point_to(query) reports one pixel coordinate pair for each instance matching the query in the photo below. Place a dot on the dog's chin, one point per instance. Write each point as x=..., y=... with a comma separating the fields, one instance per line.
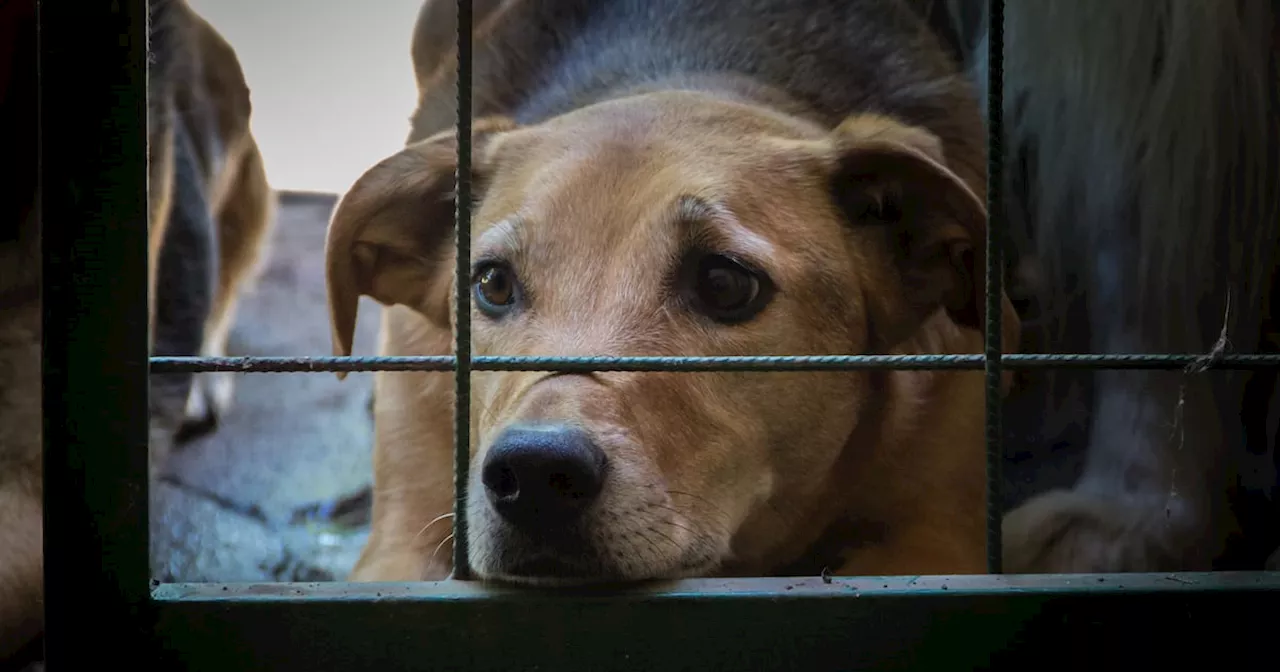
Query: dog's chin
x=531, y=580
x=550, y=571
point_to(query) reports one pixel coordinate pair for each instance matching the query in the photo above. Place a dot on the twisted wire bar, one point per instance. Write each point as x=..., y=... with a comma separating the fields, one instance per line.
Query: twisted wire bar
x=462, y=320
x=764, y=364
x=995, y=276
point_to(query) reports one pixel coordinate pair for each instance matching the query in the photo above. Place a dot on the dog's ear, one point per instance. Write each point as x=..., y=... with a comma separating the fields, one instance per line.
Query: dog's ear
x=391, y=235
x=893, y=176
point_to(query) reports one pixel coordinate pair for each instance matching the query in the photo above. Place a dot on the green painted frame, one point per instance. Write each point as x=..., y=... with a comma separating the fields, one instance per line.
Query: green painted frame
x=93, y=163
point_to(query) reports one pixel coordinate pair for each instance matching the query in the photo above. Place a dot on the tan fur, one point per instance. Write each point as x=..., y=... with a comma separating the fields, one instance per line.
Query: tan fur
x=159, y=196
x=205, y=82
x=712, y=473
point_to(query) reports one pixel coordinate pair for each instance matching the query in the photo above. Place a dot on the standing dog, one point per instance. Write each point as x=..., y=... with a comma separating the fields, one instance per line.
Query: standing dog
x=1144, y=192
x=210, y=208
x=211, y=204
x=682, y=177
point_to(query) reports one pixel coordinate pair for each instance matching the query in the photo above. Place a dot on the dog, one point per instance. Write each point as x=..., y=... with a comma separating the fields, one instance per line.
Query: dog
x=210, y=211
x=210, y=200
x=1144, y=196
x=674, y=178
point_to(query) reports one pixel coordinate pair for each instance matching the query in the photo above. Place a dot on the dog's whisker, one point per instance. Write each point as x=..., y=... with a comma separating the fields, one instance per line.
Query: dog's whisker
x=435, y=520
x=710, y=508
x=672, y=522
x=693, y=534
x=655, y=554
x=664, y=535
x=700, y=498
x=439, y=546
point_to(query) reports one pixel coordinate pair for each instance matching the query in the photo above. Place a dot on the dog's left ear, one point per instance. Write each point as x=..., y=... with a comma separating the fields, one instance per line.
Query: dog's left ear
x=892, y=176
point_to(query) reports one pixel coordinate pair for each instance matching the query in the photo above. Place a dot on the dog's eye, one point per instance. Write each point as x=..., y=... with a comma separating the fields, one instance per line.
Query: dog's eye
x=726, y=290
x=494, y=287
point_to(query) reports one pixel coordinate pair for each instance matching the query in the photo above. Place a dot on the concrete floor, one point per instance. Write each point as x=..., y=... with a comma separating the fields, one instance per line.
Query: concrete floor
x=280, y=491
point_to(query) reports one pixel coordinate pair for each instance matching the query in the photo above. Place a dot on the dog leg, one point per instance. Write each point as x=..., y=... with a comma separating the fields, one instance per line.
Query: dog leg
x=243, y=227
x=1152, y=496
x=1151, y=492
x=186, y=275
x=400, y=550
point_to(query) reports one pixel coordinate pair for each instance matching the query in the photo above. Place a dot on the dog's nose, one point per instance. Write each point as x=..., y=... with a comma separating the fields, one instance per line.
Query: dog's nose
x=543, y=474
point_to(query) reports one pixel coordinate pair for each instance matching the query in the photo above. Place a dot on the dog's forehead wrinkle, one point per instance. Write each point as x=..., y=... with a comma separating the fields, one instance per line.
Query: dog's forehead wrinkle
x=623, y=230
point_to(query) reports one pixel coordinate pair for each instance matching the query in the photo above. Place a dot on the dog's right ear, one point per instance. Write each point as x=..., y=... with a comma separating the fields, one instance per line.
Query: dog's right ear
x=391, y=235
x=894, y=176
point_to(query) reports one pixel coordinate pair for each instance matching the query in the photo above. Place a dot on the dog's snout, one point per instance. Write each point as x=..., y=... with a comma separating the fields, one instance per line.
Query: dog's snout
x=543, y=474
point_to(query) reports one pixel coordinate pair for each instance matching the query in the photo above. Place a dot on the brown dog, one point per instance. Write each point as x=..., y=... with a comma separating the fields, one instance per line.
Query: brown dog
x=210, y=210
x=668, y=178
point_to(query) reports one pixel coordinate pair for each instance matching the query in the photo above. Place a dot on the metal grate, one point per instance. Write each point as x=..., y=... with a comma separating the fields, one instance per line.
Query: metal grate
x=96, y=486
x=993, y=361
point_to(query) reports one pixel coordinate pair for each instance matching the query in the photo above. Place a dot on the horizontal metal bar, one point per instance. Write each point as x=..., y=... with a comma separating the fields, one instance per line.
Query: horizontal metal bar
x=731, y=588
x=676, y=364
x=956, y=622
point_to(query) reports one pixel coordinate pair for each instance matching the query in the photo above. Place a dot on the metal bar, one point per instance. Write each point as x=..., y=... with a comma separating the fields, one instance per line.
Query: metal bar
x=92, y=71
x=995, y=277
x=734, y=588
x=462, y=370
x=692, y=364
x=926, y=623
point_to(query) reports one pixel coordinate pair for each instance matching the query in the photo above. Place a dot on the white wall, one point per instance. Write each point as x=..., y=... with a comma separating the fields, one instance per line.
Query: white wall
x=331, y=80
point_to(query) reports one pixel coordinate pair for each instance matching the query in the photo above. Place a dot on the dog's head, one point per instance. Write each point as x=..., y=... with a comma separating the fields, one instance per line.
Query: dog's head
x=663, y=224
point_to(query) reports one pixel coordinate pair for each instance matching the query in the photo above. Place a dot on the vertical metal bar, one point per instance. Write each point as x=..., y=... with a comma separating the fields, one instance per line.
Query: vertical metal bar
x=462, y=229
x=995, y=269
x=92, y=71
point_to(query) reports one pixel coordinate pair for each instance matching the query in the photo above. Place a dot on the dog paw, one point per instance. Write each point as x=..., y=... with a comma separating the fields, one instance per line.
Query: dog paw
x=1068, y=532
x=209, y=400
